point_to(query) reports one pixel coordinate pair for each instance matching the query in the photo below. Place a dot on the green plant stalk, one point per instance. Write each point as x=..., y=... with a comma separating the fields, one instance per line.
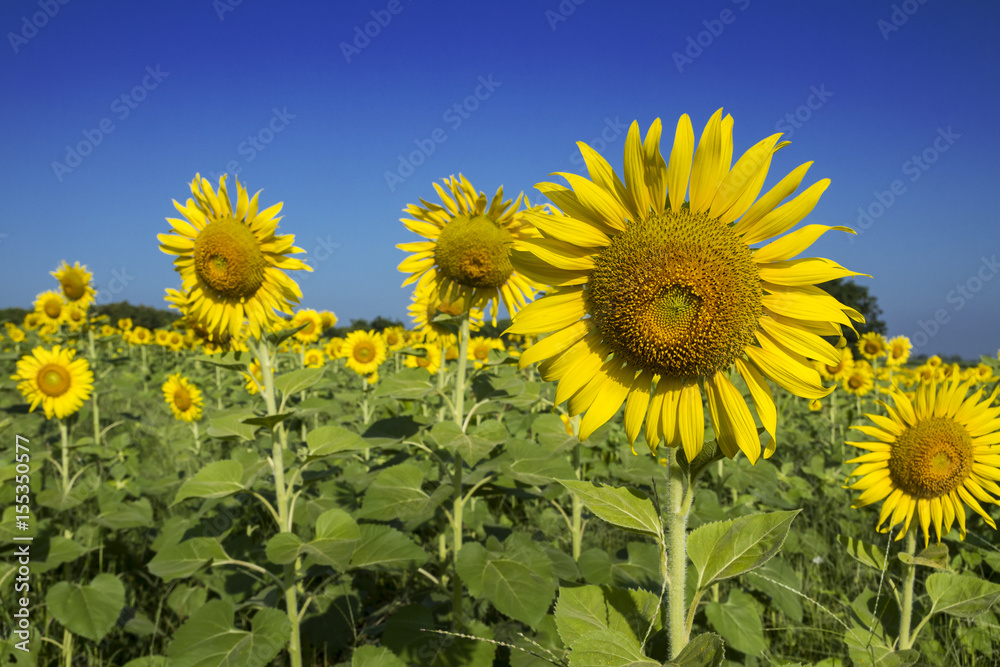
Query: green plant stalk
x=64, y=436
x=263, y=352
x=906, y=612
x=197, y=440
x=67, y=648
x=577, y=527
x=678, y=506
x=97, y=418
x=218, y=388
x=458, y=503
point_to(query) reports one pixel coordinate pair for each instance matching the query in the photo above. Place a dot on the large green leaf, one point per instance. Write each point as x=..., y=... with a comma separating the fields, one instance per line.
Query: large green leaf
x=528, y=463
x=375, y=656
x=607, y=648
x=864, y=553
x=726, y=549
x=705, y=650
x=209, y=639
x=87, y=610
x=337, y=535
x=229, y=424
x=117, y=516
x=184, y=559
x=738, y=622
x=216, y=480
x=960, y=595
x=396, y=493
x=332, y=439
x=385, y=547
x=626, y=508
x=580, y=610
x=409, y=383
x=298, y=380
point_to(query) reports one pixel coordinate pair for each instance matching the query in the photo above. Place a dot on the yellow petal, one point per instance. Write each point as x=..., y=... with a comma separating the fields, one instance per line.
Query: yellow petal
x=691, y=420
x=707, y=161
x=635, y=176
x=656, y=168
x=793, y=243
x=679, y=167
x=771, y=199
x=786, y=216
x=635, y=406
x=741, y=178
x=552, y=312
x=610, y=397
x=734, y=426
x=555, y=343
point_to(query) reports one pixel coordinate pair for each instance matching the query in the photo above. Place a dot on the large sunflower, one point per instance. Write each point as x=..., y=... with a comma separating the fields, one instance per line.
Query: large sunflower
x=930, y=457
x=55, y=379
x=656, y=299
x=466, y=257
x=75, y=283
x=232, y=264
x=183, y=397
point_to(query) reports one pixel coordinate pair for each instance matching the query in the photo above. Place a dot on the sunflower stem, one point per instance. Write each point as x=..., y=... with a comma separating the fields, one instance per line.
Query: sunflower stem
x=678, y=506
x=218, y=388
x=64, y=436
x=67, y=648
x=264, y=357
x=458, y=503
x=197, y=440
x=97, y=418
x=910, y=570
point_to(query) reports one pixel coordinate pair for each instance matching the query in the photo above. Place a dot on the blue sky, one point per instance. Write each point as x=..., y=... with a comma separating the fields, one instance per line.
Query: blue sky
x=895, y=102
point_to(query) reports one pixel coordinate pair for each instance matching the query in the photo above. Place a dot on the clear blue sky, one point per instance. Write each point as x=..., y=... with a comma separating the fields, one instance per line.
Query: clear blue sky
x=200, y=78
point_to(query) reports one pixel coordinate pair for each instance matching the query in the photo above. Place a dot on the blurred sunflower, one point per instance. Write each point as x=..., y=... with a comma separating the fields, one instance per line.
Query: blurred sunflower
x=55, y=379
x=333, y=347
x=466, y=257
x=395, y=338
x=837, y=371
x=161, y=337
x=363, y=351
x=934, y=361
x=932, y=457
x=872, y=346
x=51, y=308
x=32, y=321
x=175, y=341
x=255, y=378
x=313, y=325
x=431, y=359
x=231, y=262
x=183, y=397
x=313, y=358
x=656, y=297
x=327, y=319
x=76, y=317
x=479, y=349
x=125, y=323
x=426, y=304
x=859, y=380
x=75, y=283
x=899, y=351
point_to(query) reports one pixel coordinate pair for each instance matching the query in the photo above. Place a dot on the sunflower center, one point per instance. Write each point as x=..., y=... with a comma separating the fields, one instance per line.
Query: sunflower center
x=481, y=353
x=53, y=308
x=871, y=347
x=932, y=458
x=677, y=294
x=855, y=382
x=228, y=258
x=53, y=380
x=73, y=286
x=364, y=352
x=474, y=252
x=182, y=399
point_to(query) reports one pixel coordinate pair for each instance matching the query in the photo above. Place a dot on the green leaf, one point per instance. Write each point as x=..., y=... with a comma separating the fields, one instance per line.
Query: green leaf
x=738, y=622
x=229, y=424
x=216, y=480
x=117, y=516
x=268, y=421
x=779, y=580
x=407, y=634
x=61, y=550
x=607, y=648
x=526, y=462
x=864, y=553
x=409, y=383
x=724, y=549
x=375, y=656
x=184, y=559
x=626, y=508
x=276, y=338
x=237, y=361
x=332, y=439
x=580, y=610
x=209, y=639
x=87, y=610
x=395, y=493
x=631, y=611
x=935, y=556
x=337, y=536
x=960, y=595
x=296, y=381
x=705, y=650
x=385, y=547
x=283, y=548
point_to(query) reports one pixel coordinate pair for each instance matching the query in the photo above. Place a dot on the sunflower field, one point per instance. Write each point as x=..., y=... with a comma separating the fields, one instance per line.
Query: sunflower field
x=672, y=456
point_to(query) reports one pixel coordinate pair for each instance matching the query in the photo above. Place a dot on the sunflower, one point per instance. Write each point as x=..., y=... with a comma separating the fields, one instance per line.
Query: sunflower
x=395, y=338
x=333, y=347
x=431, y=359
x=183, y=397
x=140, y=336
x=479, y=349
x=313, y=358
x=55, y=379
x=872, y=346
x=175, y=341
x=125, y=323
x=934, y=361
x=859, y=380
x=983, y=373
x=51, y=308
x=76, y=317
x=32, y=321
x=466, y=257
x=815, y=405
x=656, y=298
x=16, y=335
x=255, y=378
x=75, y=283
x=363, y=351
x=932, y=456
x=899, y=351
x=837, y=371
x=231, y=262
x=328, y=319
x=313, y=322
x=161, y=337
x=426, y=305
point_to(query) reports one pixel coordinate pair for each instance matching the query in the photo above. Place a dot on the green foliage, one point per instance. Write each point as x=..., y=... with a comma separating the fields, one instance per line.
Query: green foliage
x=858, y=297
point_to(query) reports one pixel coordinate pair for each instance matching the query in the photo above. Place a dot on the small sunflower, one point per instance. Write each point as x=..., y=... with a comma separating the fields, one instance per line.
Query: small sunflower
x=328, y=319
x=431, y=359
x=314, y=358
x=51, y=308
x=426, y=304
x=16, y=335
x=934, y=361
x=479, y=349
x=859, y=380
x=140, y=336
x=183, y=397
x=658, y=296
x=466, y=257
x=395, y=338
x=255, y=378
x=333, y=347
x=75, y=283
x=55, y=379
x=76, y=317
x=840, y=370
x=161, y=337
x=175, y=341
x=815, y=405
x=363, y=351
x=872, y=346
x=899, y=351
x=32, y=321
x=232, y=264
x=125, y=323
x=931, y=457
x=313, y=322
